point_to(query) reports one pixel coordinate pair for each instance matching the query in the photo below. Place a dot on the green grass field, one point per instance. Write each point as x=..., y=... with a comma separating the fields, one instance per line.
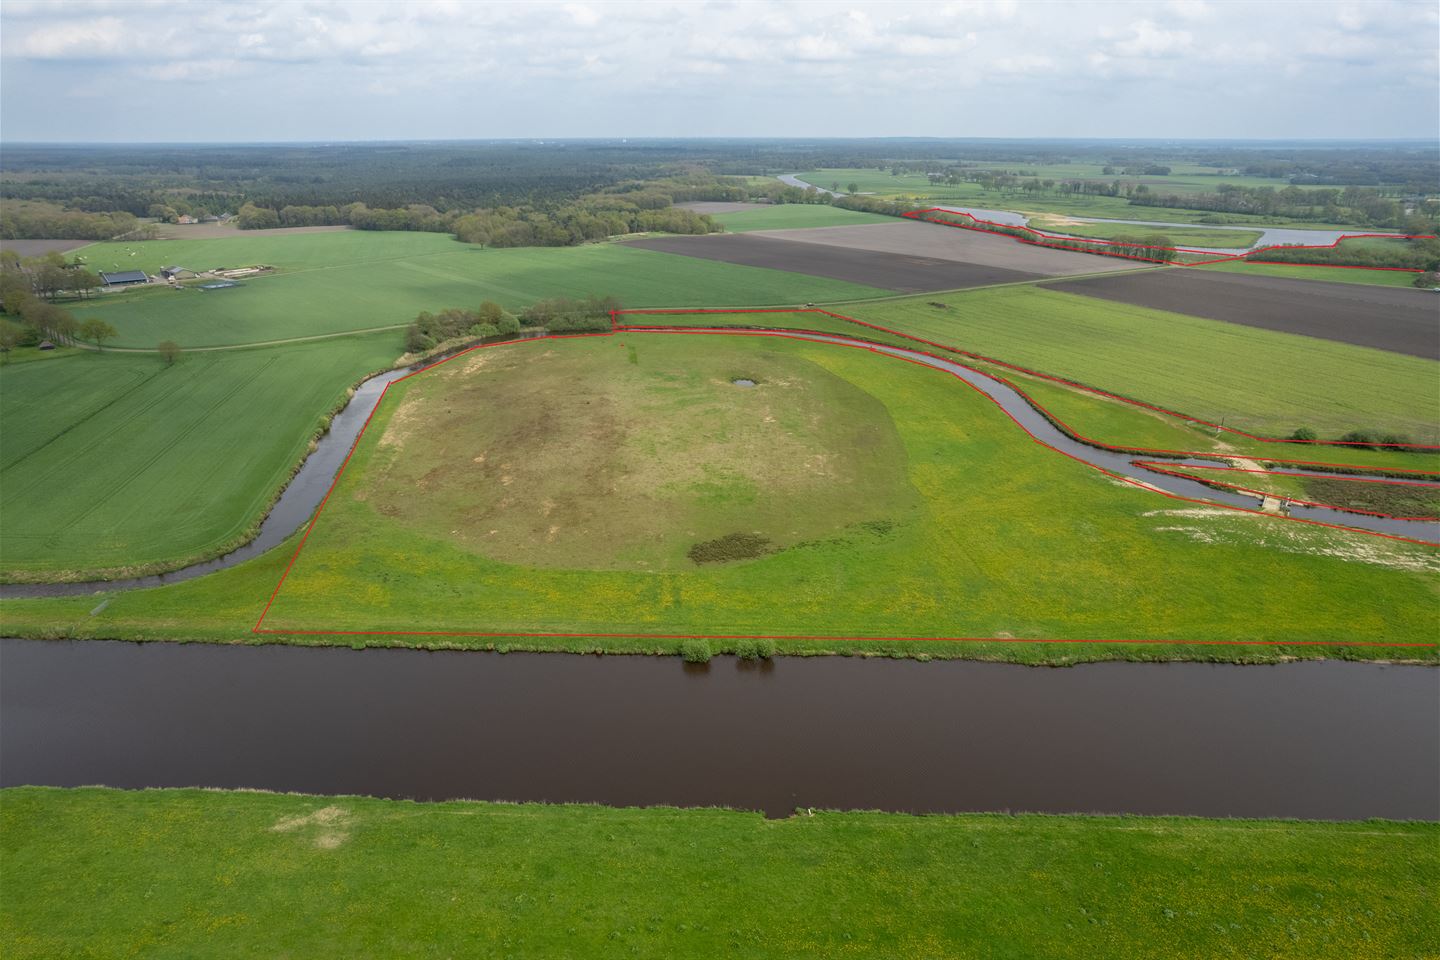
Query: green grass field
x=1381, y=278
x=985, y=534
x=795, y=216
x=1179, y=236
x=1261, y=381
x=117, y=462
x=186, y=873
x=354, y=280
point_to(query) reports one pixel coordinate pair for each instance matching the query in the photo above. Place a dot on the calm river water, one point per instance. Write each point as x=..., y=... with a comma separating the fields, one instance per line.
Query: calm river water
x=1310, y=740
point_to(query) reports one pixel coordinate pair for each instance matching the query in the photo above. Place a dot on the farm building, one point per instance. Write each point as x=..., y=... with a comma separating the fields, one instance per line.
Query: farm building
x=124, y=278
x=173, y=273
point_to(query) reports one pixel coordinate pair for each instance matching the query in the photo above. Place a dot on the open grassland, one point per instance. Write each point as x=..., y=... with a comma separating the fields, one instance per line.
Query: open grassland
x=985, y=535
x=1178, y=236
x=1381, y=278
x=1261, y=381
x=792, y=216
x=332, y=283
x=113, y=873
x=1083, y=414
x=117, y=462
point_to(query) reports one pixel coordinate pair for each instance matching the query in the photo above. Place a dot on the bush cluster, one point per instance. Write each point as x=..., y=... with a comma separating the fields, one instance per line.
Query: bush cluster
x=491, y=321
x=731, y=547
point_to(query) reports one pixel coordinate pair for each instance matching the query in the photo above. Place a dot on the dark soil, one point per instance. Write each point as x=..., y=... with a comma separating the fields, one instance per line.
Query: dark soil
x=1385, y=318
x=889, y=271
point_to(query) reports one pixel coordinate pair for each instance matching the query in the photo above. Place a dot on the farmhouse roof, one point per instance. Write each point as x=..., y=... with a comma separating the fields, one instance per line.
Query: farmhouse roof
x=125, y=276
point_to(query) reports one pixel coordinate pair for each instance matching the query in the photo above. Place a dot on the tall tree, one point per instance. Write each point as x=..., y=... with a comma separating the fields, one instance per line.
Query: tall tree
x=169, y=351
x=97, y=332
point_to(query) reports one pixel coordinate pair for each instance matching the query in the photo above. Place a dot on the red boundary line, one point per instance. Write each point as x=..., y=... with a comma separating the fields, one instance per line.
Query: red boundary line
x=259, y=627
x=1180, y=470
x=1059, y=241
x=1054, y=379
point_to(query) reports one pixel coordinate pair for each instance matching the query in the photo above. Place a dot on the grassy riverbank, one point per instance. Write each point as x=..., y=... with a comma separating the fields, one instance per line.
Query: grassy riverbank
x=179, y=873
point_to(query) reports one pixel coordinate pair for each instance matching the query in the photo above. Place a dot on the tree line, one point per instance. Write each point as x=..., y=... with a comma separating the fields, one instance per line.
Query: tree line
x=28, y=289
x=38, y=220
x=432, y=331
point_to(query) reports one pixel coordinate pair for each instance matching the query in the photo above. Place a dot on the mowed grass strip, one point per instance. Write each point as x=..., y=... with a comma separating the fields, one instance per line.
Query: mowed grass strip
x=1379, y=278
x=389, y=280
x=177, y=873
x=987, y=535
x=117, y=462
x=1178, y=236
x=1260, y=381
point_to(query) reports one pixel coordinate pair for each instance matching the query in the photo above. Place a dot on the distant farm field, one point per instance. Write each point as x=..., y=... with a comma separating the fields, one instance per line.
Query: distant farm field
x=845, y=495
x=117, y=462
x=791, y=216
x=1379, y=278
x=1178, y=236
x=1261, y=381
x=357, y=280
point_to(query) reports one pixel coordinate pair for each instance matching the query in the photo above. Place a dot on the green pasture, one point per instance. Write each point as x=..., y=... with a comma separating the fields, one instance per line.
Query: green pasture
x=1381, y=278
x=1179, y=236
x=390, y=277
x=985, y=534
x=795, y=216
x=117, y=462
x=96, y=872
x=1261, y=381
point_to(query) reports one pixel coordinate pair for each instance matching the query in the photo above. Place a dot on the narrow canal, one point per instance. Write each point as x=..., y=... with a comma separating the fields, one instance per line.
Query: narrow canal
x=1328, y=739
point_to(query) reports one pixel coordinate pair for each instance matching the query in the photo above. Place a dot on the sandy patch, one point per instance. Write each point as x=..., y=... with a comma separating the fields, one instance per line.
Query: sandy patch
x=327, y=826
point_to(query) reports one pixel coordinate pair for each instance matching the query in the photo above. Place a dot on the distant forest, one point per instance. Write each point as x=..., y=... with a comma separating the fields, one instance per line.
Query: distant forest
x=527, y=193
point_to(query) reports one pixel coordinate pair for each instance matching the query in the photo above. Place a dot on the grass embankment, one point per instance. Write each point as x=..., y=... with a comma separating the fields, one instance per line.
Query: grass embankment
x=357, y=280
x=1260, y=381
x=179, y=873
x=1378, y=278
x=118, y=462
x=1178, y=236
x=984, y=534
x=795, y=216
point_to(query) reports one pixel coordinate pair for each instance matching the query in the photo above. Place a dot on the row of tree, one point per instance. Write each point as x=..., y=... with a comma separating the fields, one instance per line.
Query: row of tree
x=491, y=321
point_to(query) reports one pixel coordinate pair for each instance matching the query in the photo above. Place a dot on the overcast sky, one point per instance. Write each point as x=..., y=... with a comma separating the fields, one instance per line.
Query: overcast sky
x=448, y=69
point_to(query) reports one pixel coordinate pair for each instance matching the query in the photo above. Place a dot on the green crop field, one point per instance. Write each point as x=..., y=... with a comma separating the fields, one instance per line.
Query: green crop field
x=794, y=216
x=663, y=455
x=1178, y=236
x=1381, y=278
x=1261, y=381
x=94, y=872
x=116, y=462
x=334, y=282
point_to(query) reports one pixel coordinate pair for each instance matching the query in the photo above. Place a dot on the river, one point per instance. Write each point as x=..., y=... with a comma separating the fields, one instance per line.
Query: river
x=1326, y=739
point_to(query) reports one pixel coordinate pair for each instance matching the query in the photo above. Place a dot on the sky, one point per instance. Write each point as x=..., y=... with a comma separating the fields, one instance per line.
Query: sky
x=262, y=70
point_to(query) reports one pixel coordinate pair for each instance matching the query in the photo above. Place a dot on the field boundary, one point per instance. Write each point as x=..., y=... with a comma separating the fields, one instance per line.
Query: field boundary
x=1057, y=241
x=616, y=329
x=1076, y=384
x=1175, y=470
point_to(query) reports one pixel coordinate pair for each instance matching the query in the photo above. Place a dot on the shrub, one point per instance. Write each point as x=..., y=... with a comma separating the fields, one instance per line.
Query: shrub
x=1394, y=441
x=732, y=546
x=1363, y=438
x=484, y=330
x=1304, y=433
x=508, y=325
x=695, y=651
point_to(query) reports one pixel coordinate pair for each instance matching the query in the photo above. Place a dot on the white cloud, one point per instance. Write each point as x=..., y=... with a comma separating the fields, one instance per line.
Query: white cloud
x=610, y=66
